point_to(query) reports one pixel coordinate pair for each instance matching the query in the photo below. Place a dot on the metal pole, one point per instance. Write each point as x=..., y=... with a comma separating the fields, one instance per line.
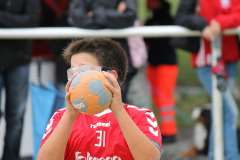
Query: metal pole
x=217, y=110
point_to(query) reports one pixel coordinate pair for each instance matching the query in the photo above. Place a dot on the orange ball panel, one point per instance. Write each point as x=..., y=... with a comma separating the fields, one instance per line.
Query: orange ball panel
x=72, y=95
x=80, y=91
x=95, y=109
x=101, y=77
x=86, y=78
x=91, y=99
x=95, y=74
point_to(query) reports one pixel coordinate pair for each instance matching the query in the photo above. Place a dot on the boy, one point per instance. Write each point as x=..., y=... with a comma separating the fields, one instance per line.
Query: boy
x=128, y=132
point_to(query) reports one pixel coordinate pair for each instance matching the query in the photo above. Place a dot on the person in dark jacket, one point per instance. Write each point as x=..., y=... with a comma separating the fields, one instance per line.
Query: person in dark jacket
x=15, y=56
x=102, y=14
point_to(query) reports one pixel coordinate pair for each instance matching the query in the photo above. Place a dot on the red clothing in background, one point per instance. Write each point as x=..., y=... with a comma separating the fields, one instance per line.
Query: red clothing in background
x=227, y=14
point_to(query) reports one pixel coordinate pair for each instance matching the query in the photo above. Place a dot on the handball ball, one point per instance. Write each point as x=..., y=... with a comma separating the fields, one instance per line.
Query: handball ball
x=89, y=94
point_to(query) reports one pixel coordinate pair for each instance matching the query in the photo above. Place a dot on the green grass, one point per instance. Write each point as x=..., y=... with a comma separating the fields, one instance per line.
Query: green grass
x=187, y=74
x=143, y=12
x=174, y=5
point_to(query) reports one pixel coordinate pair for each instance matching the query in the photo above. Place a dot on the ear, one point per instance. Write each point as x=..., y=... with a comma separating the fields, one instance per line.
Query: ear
x=113, y=72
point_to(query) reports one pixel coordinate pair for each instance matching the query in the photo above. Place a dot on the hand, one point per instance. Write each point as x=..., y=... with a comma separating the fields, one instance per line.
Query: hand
x=122, y=6
x=211, y=31
x=116, y=104
x=70, y=109
x=90, y=14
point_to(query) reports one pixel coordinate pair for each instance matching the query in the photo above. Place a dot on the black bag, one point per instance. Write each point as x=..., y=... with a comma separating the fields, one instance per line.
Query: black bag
x=190, y=44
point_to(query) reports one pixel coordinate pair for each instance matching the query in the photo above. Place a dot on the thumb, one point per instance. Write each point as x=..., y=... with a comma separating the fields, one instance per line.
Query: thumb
x=67, y=98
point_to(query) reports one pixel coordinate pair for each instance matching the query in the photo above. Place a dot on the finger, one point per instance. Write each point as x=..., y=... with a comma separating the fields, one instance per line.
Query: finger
x=211, y=36
x=207, y=34
x=216, y=25
x=214, y=31
x=111, y=88
x=67, y=98
x=112, y=79
x=69, y=83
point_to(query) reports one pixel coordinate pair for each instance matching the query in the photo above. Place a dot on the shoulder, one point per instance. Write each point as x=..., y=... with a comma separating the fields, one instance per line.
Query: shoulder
x=133, y=108
x=146, y=122
x=137, y=112
x=58, y=114
x=129, y=106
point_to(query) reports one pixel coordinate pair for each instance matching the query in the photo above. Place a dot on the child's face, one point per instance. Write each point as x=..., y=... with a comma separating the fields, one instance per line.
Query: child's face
x=78, y=60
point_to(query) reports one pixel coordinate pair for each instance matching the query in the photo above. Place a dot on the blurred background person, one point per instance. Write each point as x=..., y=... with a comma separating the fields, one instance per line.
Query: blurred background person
x=212, y=17
x=58, y=45
x=54, y=13
x=113, y=14
x=46, y=65
x=51, y=12
x=15, y=56
x=162, y=70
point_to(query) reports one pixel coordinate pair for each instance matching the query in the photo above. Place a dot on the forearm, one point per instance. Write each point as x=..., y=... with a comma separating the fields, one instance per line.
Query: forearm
x=140, y=146
x=78, y=15
x=54, y=147
x=81, y=20
x=110, y=18
x=121, y=17
x=18, y=21
x=186, y=17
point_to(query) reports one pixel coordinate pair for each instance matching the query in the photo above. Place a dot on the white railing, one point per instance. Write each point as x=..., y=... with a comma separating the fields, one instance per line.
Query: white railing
x=72, y=32
x=145, y=31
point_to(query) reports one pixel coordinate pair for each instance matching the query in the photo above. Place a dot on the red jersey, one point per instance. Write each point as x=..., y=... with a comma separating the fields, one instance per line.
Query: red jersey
x=99, y=136
x=226, y=13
